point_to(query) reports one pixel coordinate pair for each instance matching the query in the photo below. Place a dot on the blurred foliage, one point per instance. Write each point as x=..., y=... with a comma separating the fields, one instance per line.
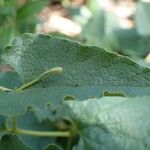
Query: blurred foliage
x=99, y=26
x=142, y=18
x=17, y=17
x=103, y=29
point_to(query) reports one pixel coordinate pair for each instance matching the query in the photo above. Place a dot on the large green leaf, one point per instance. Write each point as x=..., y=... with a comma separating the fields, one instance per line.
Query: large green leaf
x=85, y=67
x=88, y=71
x=12, y=142
x=111, y=123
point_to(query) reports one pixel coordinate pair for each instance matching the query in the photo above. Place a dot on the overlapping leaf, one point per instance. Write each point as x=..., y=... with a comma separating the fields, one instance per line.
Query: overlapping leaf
x=111, y=123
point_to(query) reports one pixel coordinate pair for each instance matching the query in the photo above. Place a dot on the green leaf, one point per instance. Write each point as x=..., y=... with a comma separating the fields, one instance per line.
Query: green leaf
x=12, y=142
x=111, y=123
x=10, y=2
x=27, y=25
x=26, y=15
x=30, y=9
x=6, y=33
x=88, y=70
x=7, y=11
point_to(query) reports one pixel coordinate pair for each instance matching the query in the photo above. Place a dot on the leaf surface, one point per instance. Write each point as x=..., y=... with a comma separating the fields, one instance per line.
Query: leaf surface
x=111, y=123
x=85, y=67
x=13, y=103
x=88, y=71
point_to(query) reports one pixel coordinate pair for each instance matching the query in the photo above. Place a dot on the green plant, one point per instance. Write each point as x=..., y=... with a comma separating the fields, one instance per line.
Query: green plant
x=93, y=99
x=17, y=17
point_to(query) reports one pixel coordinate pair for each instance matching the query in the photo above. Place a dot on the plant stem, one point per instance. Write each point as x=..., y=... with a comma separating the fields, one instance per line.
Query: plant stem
x=16, y=130
x=55, y=71
x=4, y=89
x=40, y=133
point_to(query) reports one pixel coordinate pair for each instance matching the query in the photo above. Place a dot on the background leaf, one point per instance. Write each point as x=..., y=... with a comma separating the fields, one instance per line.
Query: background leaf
x=30, y=9
x=143, y=11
